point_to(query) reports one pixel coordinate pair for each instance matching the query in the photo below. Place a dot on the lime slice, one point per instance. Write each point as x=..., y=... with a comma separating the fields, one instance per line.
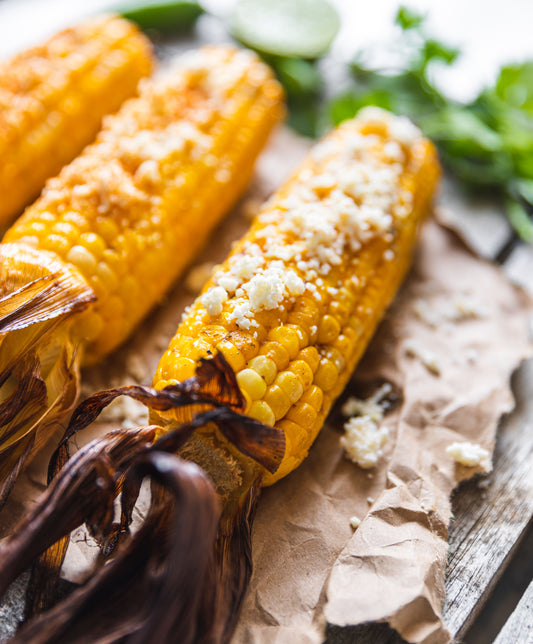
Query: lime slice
x=293, y=28
x=164, y=15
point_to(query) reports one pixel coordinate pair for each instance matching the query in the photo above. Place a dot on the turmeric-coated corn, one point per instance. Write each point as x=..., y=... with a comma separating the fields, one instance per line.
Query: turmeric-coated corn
x=53, y=98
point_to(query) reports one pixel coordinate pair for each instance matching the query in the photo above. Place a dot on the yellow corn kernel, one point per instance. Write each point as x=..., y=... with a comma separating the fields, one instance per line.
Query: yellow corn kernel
x=82, y=259
x=328, y=330
x=314, y=397
x=277, y=353
x=251, y=382
x=326, y=375
x=302, y=414
x=51, y=108
x=310, y=355
x=261, y=411
x=233, y=356
x=288, y=337
x=277, y=400
x=265, y=367
x=302, y=371
x=291, y=385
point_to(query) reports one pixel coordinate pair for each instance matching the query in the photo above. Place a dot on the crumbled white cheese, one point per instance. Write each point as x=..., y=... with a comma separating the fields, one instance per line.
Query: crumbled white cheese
x=355, y=522
x=363, y=441
x=333, y=208
x=370, y=407
x=370, y=499
x=468, y=454
x=213, y=299
x=414, y=349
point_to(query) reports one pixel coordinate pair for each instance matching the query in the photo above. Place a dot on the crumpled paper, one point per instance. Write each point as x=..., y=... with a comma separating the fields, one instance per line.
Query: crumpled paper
x=309, y=565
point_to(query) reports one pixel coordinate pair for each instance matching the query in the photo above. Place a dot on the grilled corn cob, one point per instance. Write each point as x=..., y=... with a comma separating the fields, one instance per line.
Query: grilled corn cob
x=276, y=334
x=120, y=223
x=53, y=98
x=295, y=304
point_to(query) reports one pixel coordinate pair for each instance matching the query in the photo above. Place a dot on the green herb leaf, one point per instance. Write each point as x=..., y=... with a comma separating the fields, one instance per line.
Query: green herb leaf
x=296, y=29
x=408, y=19
x=163, y=15
x=299, y=77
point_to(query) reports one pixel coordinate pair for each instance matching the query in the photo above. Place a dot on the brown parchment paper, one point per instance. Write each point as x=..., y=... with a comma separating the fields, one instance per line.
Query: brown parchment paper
x=309, y=564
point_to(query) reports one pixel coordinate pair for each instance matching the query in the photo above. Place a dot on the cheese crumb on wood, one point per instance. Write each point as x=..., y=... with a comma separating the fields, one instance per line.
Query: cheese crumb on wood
x=468, y=454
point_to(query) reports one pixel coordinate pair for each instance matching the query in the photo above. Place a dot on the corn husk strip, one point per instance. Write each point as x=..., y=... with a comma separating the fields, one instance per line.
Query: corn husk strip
x=147, y=569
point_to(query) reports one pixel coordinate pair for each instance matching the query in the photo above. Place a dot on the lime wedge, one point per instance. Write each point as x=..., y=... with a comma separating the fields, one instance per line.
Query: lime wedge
x=293, y=28
x=164, y=15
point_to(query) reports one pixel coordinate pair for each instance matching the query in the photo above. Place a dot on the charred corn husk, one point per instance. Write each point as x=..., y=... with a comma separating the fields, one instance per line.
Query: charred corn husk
x=53, y=98
x=120, y=223
x=295, y=304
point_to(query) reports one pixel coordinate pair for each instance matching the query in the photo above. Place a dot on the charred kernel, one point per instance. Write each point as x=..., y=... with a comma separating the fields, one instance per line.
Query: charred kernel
x=277, y=400
x=326, y=375
x=328, y=330
x=264, y=367
x=262, y=412
x=291, y=385
x=251, y=382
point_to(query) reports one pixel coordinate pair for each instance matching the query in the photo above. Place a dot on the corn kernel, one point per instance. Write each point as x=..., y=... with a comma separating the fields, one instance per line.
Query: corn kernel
x=336, y=357
x=107, y=229
x=251, y=382
x=277, y=400
x=302, y=414
x=262, y=412
x=276, y=352
x=310, y=355
x=233, y=356
x=82, y=259
x=326, y=375
x=183, y=368
x=291, y=385
x=265, y=367
x=93, y=243
x=56, y=243
x=303, y=371
x=89, y=326
x=287, y=336
x=107, y=277
x=314, y=397
x=328, y=330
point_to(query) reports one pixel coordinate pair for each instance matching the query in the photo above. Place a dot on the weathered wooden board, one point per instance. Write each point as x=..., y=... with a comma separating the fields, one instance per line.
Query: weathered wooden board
x=519, y=626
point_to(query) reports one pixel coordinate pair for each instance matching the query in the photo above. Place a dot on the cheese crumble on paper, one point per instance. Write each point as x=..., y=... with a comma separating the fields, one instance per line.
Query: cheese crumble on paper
x=468, y=454
x=364, y=438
